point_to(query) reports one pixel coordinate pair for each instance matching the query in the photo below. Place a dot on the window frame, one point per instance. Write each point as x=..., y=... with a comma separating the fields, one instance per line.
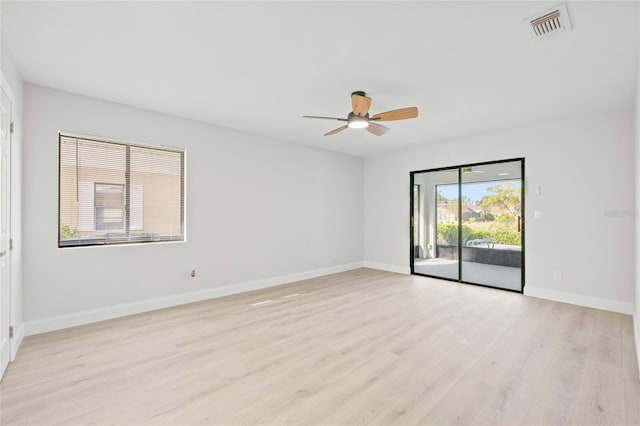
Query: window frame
x=101, y=242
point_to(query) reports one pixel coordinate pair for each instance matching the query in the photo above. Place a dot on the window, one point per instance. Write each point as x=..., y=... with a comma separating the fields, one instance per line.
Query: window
x=117, y=193
x=109, y=202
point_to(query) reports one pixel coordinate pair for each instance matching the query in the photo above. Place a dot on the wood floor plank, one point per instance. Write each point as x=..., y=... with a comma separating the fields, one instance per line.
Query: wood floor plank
x=629, y=356
x=631, y=401
x=463, y=403
x=359, y=347
x=413, y=392
x=516, y=387
x=558, y=390
x=601, y=398
x=607, y=339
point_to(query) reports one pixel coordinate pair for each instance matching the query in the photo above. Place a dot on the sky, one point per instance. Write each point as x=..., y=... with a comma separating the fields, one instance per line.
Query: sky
x=475, y=191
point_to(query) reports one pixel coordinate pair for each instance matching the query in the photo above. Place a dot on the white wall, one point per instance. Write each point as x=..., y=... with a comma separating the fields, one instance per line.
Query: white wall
x=10, y=72
x=256, y=209
x=585, y=168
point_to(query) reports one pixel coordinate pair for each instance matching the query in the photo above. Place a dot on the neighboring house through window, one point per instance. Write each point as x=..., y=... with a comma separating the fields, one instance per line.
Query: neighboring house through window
x=109, y=203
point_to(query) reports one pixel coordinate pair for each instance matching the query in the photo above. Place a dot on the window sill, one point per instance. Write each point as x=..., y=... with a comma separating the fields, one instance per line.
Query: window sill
x=119, y=244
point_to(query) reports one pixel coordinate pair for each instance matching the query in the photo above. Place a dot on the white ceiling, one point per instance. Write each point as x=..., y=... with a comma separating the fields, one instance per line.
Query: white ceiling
x=470, y=67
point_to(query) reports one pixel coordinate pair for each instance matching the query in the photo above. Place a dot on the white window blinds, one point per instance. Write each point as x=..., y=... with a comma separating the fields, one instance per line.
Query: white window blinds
x=115, y=193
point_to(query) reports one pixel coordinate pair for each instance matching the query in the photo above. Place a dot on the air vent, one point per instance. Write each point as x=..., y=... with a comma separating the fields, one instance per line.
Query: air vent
x=549, y=23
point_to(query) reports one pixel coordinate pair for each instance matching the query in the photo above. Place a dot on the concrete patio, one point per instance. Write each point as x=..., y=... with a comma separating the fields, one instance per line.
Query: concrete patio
x=477, y=273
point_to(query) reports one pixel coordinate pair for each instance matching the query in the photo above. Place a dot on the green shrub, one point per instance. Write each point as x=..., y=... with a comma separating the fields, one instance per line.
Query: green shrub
x=67, y=232
x=504, y=236
x=448, y=234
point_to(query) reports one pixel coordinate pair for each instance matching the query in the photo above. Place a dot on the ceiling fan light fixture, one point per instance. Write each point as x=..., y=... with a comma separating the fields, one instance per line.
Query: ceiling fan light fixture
x=358, y=122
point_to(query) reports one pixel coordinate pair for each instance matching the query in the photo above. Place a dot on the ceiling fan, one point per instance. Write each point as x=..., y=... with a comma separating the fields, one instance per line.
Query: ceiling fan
x=359, y=118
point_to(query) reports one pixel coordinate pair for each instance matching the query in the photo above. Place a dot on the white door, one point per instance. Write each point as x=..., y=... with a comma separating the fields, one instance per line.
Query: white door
x=5, y=135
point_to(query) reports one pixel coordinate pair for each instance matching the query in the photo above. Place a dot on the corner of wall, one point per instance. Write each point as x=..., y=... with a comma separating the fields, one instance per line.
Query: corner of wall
x=636, y=315
x=389, y=268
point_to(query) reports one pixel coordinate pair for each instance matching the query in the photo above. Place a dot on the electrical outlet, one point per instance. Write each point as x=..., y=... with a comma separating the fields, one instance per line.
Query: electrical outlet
x=557, y=275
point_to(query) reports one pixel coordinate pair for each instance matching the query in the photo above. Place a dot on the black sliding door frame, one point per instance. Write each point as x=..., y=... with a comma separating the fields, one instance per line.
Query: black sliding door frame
x=459, y=169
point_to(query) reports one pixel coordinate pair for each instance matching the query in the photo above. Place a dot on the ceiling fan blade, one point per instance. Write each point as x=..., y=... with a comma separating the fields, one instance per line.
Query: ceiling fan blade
x=334, y=131
x=377, y=129
x=360, y=104
x=397, y=114
x=325, y=118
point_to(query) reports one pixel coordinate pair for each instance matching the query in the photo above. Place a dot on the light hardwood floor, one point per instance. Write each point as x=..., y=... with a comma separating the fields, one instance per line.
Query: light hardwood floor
x=361, y=347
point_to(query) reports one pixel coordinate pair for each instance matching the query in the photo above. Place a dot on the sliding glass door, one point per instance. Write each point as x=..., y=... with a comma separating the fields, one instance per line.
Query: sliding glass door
x=467, y=224
x=435, y=242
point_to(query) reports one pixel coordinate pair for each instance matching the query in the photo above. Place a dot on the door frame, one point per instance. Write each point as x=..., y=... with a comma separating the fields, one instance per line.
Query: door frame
x=522, y=223
x=13, y=340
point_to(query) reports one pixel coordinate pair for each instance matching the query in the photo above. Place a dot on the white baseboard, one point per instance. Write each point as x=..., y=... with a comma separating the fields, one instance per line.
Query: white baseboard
x=578, y=299
x=17, y=341
x=389, y=268
x=94, y=315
